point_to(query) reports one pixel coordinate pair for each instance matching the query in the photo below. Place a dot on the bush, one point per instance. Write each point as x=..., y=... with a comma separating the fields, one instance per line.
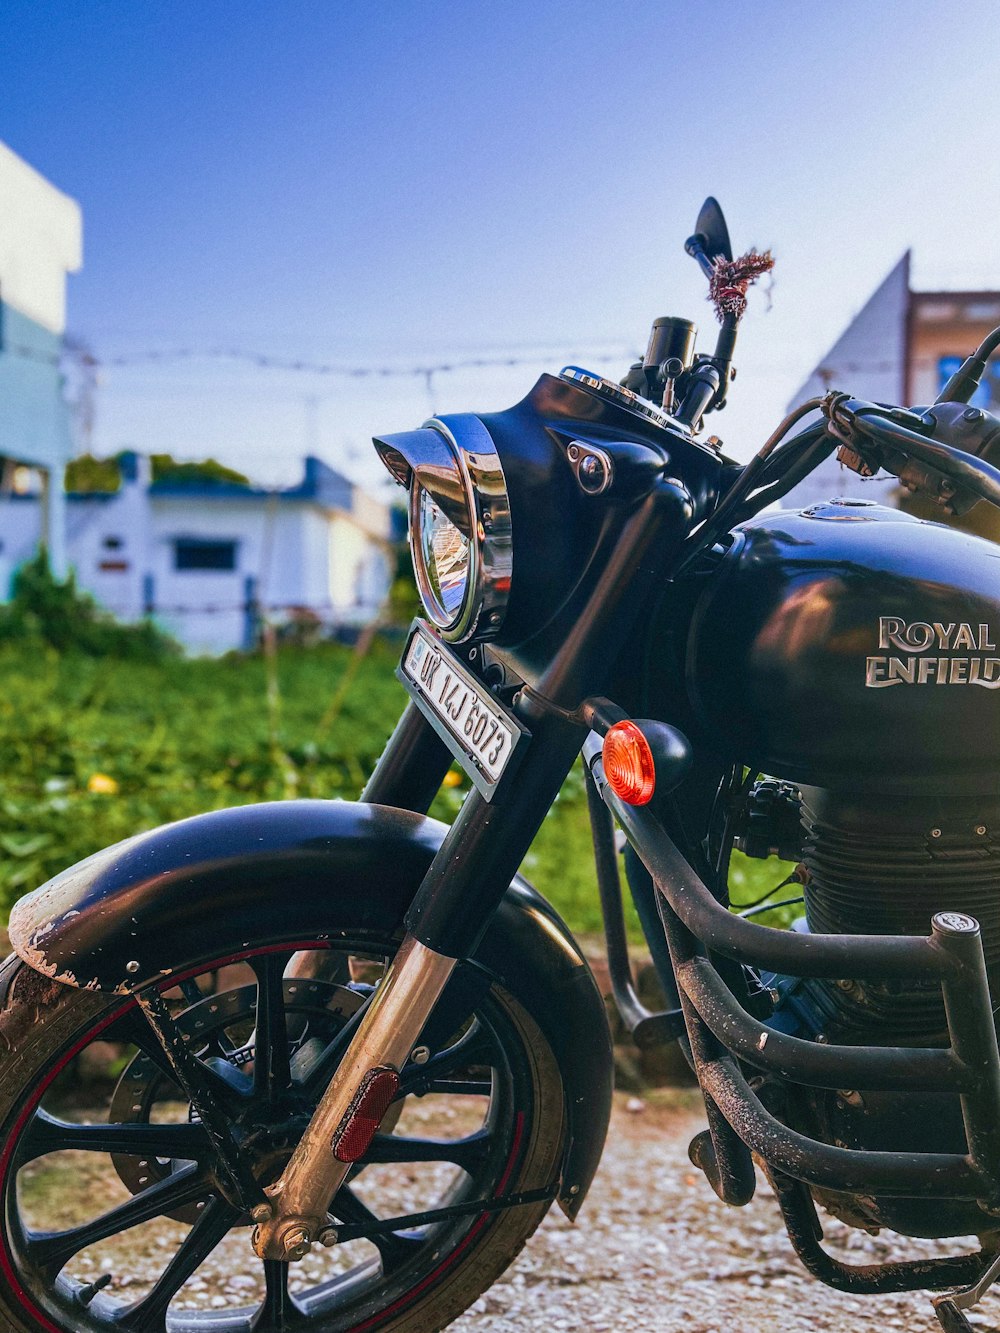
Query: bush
x=44, y=610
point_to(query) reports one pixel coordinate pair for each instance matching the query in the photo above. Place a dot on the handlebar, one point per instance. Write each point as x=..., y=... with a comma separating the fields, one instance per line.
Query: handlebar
x=857, y=422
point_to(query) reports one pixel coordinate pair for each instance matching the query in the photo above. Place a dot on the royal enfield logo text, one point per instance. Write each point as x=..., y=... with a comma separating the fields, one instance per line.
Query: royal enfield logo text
x=920, y=662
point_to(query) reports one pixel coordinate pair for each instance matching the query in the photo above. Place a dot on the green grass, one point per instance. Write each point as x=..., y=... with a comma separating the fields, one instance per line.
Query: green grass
x=94, y=750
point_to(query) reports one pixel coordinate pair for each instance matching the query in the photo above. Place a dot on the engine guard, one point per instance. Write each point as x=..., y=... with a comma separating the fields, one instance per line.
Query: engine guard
x=281, y=872
x=747, y=1069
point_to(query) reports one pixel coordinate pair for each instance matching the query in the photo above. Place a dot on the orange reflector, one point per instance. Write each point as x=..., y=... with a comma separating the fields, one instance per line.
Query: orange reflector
x=628, y=764
x=365, y=1114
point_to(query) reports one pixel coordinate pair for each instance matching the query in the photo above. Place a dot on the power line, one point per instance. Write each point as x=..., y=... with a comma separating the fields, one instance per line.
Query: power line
x=426, y=372
x=264, y=360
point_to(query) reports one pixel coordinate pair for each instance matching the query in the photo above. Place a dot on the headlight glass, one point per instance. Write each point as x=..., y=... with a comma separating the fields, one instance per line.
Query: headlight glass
x=444, y=561
x=459, y=519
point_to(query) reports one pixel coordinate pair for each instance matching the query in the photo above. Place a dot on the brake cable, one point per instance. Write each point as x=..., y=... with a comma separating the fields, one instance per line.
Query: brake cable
x=726, y=514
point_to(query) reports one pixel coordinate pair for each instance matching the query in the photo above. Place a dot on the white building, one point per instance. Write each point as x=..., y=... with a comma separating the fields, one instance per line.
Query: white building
x=900, y=348
x=40, y=242
x=207, y=560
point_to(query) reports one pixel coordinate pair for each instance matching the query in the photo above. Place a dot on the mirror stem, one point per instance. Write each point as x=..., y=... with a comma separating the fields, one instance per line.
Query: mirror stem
x=725, y=347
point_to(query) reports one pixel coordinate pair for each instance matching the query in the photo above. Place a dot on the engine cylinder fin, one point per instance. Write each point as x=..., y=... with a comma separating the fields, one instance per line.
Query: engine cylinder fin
x=884, y=868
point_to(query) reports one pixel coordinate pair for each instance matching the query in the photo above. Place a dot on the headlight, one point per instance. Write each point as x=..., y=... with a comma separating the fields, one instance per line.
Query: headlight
x=442, y=558
x=459, y=512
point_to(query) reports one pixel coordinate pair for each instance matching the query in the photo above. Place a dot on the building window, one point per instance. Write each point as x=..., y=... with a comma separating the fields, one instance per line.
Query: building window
x=193, y=553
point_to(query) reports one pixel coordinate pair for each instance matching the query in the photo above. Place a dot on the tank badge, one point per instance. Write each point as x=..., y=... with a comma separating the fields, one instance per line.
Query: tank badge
x=922, y=645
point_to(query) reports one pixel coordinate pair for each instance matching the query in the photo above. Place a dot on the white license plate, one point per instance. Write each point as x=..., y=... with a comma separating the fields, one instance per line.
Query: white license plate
x=480, y=728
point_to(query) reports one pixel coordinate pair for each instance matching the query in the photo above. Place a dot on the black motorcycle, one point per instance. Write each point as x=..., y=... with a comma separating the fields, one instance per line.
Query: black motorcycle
x=357, y=1057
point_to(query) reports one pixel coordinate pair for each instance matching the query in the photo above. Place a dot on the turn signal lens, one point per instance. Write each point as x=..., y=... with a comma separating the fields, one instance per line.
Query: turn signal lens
x=628, y=764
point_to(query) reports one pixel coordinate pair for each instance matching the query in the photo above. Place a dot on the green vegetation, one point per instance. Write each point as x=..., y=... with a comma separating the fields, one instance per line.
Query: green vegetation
x=44, y=613
x=94, y=749
x=88, y=475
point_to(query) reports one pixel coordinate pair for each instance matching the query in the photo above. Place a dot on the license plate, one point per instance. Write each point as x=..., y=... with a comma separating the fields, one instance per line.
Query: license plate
x=478, y=730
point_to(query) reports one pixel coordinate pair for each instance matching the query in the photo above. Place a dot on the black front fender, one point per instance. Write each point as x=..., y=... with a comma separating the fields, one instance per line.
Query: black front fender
x=292, y=872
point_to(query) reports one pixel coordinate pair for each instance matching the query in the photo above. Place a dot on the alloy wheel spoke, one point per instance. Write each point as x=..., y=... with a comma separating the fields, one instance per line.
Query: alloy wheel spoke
x=468, y=1153
x=319, y=1076
x=271, y=1072
x=395, y=1248
x=185, y=1142
x=229, y=1088
x=51, y=1251
x=191, y=991
x=217, y=1046
x=279, y=1311
x=150, y=1314
x=472, y=1049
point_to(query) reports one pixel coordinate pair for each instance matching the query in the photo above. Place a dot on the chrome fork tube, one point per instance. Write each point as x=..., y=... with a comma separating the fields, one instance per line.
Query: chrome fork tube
x=295, y=1214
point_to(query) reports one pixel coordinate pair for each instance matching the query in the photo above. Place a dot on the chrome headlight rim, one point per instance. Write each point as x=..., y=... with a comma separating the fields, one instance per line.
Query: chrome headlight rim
x=477, y=463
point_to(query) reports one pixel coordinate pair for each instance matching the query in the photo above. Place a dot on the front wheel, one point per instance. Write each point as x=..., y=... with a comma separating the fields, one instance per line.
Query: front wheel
x=113, y=1218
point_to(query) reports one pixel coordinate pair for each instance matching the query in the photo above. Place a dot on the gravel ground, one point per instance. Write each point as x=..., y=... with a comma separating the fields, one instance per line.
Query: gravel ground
x=655, y=1250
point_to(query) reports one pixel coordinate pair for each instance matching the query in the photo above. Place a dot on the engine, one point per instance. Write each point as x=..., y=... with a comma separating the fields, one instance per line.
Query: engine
x=851, y=651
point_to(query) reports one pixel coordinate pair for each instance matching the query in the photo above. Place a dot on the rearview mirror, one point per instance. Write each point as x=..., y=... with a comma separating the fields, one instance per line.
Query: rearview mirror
x=711, y=232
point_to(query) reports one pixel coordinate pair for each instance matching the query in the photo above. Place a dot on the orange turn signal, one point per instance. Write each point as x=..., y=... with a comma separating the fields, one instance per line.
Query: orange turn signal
x=628, y=764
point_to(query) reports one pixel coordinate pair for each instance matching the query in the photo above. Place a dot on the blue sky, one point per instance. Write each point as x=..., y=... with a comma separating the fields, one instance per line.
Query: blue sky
x=395, y=184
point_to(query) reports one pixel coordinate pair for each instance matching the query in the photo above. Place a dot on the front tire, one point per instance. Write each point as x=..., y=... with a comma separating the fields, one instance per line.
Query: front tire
x=113, y=1220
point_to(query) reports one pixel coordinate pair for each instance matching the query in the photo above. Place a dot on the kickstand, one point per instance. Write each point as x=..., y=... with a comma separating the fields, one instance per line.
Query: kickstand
x=949, y=1306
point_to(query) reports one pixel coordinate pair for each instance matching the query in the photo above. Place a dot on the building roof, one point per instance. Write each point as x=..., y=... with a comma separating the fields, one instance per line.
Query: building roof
x=321, y=486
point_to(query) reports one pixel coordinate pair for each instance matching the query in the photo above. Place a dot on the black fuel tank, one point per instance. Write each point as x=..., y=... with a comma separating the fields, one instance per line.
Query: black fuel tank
x=853, y=645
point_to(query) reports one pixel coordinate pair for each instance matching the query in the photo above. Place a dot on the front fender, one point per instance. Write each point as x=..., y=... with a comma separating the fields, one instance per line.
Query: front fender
x=292, y=872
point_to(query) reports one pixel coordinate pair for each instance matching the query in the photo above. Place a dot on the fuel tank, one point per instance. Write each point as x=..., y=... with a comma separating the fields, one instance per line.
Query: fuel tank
x=851, y=645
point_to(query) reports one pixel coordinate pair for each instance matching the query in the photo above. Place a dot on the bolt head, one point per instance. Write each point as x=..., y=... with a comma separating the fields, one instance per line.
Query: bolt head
x=262, y=1213
x=972, y=414
x=296, y=1243
x=328, y=1237
x=420, y=1055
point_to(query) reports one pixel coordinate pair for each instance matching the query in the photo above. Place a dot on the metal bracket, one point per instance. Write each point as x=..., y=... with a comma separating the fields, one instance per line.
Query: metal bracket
x=950, y=1305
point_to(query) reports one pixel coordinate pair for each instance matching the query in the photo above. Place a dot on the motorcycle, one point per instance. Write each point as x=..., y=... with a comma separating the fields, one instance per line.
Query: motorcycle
x=357, y=1056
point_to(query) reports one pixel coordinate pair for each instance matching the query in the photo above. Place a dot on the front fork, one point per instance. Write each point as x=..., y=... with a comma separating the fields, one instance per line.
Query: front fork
x=353, y=1105
x=444, y=923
